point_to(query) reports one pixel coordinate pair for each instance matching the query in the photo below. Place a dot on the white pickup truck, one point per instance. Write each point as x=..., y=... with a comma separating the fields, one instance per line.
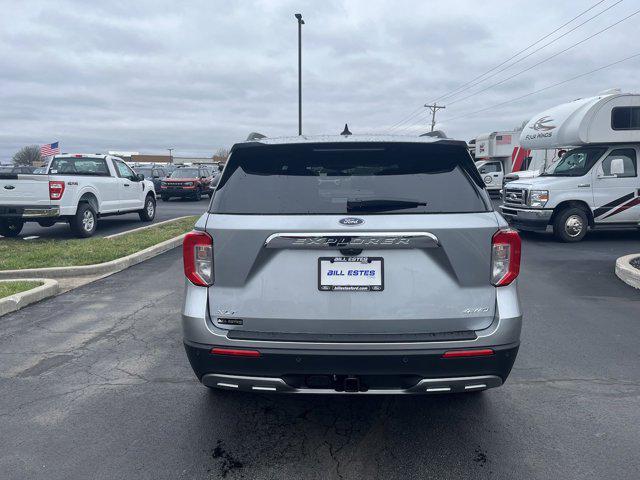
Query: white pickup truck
x=77, y=189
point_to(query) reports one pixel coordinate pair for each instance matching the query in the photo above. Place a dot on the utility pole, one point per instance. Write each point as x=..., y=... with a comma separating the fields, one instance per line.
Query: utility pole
x=434, y=108
x=170, y=156
x=300, y=23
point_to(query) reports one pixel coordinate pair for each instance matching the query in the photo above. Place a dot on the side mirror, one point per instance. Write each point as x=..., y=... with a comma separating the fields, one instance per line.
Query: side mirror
x=483, y=170
x=617, y=166
x=139, y=177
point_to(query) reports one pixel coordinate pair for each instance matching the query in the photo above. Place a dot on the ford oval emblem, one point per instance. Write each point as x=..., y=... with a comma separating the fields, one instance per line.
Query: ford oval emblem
x=9, y=187
x=351, y=221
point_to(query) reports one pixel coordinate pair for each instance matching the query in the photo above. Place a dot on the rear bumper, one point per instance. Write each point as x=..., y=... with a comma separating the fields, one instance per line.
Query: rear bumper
x=28, y=211
x=178, y=192
x=527, y=219
x=325, y=371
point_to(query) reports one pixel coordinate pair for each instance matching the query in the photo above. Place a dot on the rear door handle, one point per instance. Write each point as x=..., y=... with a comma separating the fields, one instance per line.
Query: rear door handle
x=126, y=184
x=584, y=185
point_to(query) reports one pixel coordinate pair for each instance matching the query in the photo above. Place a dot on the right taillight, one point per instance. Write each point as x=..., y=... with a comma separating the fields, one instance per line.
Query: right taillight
x=197, y=254
x=56, y=189
x=505, y=257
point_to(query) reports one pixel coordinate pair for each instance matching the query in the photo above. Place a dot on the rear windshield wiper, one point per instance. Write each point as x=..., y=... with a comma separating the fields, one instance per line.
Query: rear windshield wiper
x=381, y=205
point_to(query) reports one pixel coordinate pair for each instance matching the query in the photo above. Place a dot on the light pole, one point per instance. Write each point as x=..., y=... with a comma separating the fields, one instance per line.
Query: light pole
x=170, y=156
x=300, y=23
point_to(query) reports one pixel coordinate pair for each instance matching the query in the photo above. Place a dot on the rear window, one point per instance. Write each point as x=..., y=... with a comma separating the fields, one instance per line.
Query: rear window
x=349, y=179
x=79, y=166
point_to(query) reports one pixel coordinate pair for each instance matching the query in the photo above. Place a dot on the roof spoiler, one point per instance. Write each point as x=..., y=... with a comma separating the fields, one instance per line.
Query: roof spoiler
x=435, y=133
x=255, y=136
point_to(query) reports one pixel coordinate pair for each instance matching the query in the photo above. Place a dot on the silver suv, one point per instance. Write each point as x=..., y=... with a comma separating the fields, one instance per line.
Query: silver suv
x=351, y=265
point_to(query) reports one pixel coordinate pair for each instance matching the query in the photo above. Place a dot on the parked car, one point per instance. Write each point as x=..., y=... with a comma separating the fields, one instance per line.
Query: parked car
x=155, y=174
x=77, y=189
x=492, y=174
x=187, y=182
x=342, y=264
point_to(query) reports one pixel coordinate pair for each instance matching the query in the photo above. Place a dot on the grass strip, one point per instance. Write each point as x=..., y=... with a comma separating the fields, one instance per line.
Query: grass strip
x=11, y=288
x=17, y=254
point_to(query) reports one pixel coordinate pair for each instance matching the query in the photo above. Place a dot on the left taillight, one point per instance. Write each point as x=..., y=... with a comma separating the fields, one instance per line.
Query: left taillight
x=56, y=189
x=505, y=257
x=197, y=254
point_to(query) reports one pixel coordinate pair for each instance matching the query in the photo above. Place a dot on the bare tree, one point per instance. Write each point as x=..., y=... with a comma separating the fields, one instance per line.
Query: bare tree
x=28, y=155
x=221, y=155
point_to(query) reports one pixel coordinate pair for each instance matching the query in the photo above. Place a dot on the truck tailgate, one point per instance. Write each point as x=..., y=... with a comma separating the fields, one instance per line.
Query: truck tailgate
x=24, y=190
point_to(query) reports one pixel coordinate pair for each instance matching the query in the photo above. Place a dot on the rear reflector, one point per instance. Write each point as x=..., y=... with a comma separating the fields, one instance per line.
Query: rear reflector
x=468, y=353
x=235, y=352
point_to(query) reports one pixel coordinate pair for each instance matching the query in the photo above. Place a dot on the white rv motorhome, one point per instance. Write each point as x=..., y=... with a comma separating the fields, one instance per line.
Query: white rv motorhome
x=493, y=157
x=595, y=184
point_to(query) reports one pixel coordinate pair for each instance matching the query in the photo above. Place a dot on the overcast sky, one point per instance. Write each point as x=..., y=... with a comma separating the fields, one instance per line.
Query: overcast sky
x=199, y=75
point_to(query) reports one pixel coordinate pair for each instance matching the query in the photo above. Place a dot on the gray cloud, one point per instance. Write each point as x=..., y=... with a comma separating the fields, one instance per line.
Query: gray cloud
x=198, y=75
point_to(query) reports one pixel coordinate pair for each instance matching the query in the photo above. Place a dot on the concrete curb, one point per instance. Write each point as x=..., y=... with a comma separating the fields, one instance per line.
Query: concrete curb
x=17, y=301
x=97, y=270
x=151, y=225
x=626, y=272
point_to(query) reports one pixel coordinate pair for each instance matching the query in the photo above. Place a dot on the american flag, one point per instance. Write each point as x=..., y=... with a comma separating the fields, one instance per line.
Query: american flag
x=49, y=149
x=503, y=139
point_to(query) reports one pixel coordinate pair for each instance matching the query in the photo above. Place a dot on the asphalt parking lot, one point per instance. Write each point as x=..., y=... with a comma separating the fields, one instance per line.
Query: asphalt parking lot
x=176, y=207
x=95, y=384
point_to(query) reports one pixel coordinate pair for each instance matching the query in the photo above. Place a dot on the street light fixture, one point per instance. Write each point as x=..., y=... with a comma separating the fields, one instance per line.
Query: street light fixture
x=300, y=23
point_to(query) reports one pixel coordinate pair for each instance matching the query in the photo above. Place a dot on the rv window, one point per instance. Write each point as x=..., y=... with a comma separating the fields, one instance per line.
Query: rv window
x=621, y=163
x=625, y=118
x=577, y=162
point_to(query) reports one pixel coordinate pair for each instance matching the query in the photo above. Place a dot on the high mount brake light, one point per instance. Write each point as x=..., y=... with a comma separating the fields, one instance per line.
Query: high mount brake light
x=197, y=253
x=56, y=189
x=505, y=257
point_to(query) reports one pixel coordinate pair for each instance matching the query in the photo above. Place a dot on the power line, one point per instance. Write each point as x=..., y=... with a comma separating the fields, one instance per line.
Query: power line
x=546, y=59
x=537, y=49
x=467, y=114
x=418, y=114
x=412, y=114
x=521, y=51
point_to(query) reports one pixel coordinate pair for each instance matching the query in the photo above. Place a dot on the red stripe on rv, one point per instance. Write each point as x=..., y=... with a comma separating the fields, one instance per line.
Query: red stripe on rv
x=624, y=206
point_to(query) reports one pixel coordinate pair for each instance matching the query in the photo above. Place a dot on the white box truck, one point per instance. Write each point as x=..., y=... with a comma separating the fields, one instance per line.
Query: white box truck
x=596, y=183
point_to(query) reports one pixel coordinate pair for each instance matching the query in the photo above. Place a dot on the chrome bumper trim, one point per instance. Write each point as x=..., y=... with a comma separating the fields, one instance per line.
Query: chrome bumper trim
x=423, y=387
x=41, y=212
x=355, y=239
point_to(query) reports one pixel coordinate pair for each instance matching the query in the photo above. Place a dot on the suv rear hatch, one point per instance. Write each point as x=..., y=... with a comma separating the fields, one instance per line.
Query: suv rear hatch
x=291, y=223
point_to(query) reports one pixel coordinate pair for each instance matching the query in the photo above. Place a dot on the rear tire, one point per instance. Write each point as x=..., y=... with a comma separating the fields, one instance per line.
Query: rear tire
x=85, y=221
x=148, y=213
x=570, y=225
x=11, y=227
